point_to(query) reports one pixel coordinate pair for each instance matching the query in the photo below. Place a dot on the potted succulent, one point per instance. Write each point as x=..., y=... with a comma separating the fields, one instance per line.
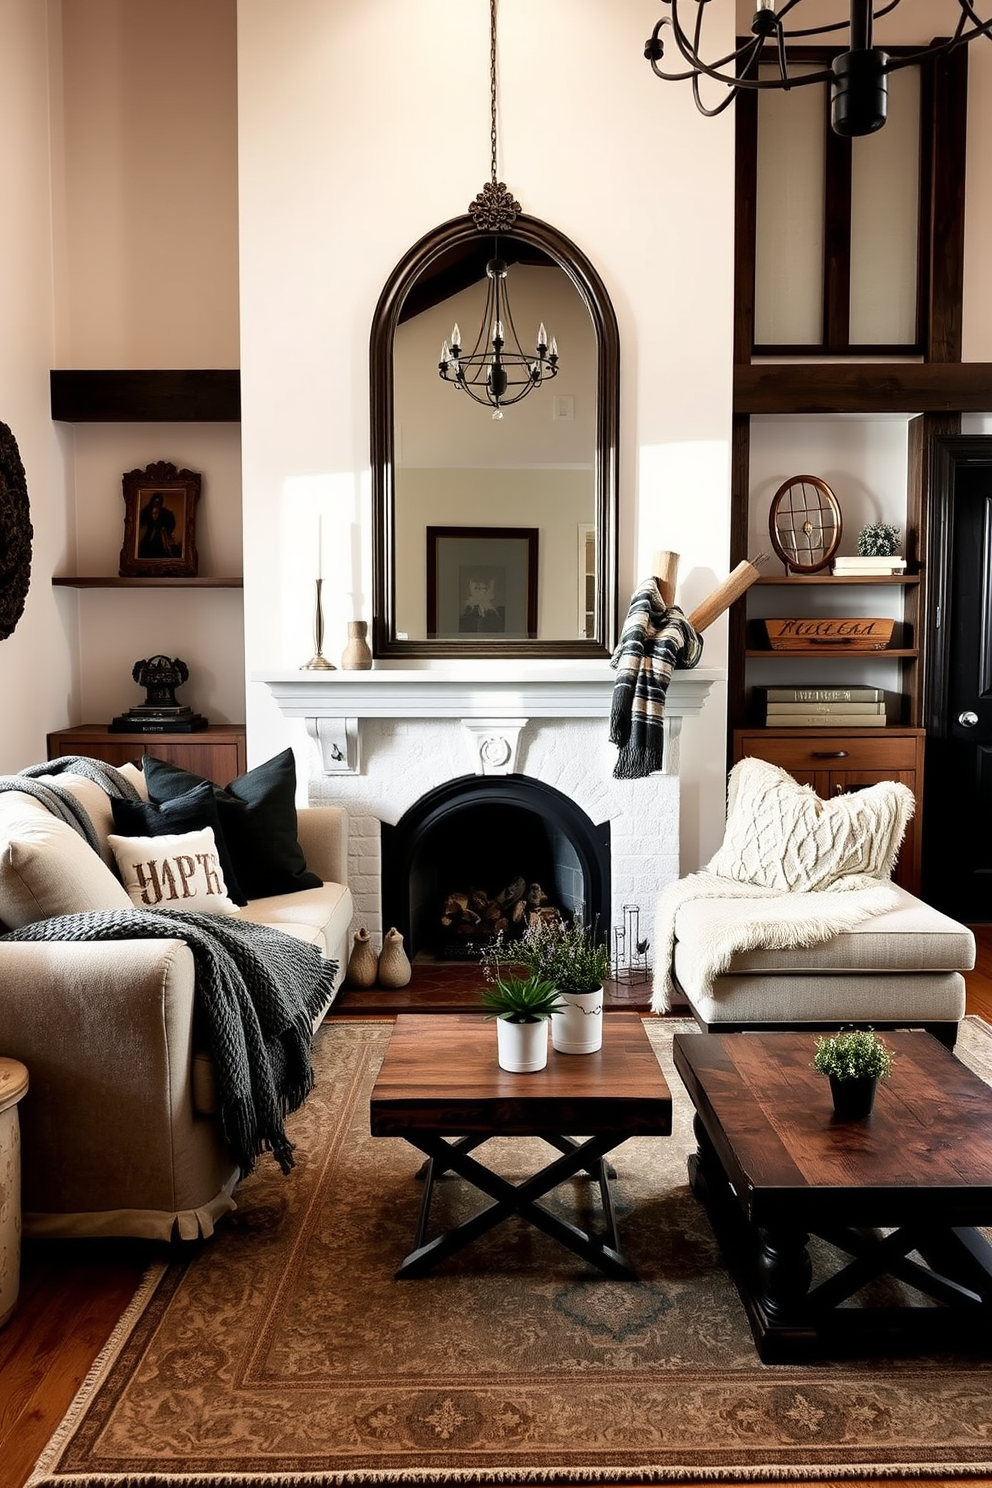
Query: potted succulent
x=568, y=954
x=522, y=1006
x=854, y=1060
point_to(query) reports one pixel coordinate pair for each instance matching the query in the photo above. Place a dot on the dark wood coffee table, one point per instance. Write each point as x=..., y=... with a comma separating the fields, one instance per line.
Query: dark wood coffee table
x=441, y=1089
x=897, y=1195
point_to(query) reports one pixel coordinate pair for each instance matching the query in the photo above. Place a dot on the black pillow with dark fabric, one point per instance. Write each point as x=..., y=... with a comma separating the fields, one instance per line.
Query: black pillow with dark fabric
x=258, y=818
x=186, y=813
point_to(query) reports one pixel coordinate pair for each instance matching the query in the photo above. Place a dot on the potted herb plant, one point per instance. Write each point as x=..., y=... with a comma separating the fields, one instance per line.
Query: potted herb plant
x=854, y=1060
x=568, y=954
x=522, y=1006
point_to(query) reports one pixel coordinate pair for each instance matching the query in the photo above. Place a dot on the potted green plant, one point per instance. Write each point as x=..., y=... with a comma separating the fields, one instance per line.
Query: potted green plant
x=878, y=540
x=568, y=954
x=854, y=1061
x=522, y=1006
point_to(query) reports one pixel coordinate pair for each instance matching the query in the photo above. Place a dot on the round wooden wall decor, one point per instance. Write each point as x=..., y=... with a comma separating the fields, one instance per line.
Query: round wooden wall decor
x=15, y=534
x=804, y=523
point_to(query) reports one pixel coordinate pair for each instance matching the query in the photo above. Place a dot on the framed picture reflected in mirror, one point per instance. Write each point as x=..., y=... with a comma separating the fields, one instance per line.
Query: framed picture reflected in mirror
x=482, y=581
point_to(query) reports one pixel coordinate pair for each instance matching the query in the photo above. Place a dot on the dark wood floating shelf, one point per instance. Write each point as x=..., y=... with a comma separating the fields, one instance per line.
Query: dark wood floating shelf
x=192, y=396
x=863, y=387
x=859, y=653
x=73, y=581
x=790, y=579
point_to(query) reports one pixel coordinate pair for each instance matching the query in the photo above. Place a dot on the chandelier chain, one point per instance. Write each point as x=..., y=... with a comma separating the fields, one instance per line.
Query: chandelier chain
x=492, y=85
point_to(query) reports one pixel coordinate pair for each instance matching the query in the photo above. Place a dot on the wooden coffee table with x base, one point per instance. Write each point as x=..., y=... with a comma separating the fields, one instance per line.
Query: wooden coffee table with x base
x=441, y=1089
x=899, y=1195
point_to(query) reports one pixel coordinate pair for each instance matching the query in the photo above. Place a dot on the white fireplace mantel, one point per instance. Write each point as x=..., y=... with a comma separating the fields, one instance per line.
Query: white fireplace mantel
x=491, y=693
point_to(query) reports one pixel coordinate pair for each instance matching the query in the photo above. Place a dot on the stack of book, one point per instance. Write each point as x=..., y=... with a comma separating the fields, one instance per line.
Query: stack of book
x=826, y=707
x=865, y=568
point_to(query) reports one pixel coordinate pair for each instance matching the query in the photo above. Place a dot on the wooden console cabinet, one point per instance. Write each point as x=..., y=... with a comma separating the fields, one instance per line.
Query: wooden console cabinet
x=218, y=752
x=834, y=761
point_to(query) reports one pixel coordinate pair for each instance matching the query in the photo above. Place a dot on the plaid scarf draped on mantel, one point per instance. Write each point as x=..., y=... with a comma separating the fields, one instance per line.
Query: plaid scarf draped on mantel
x=655, y=640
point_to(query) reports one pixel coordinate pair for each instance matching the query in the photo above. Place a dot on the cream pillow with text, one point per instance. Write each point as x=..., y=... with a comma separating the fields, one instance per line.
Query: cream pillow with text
x=180, y=871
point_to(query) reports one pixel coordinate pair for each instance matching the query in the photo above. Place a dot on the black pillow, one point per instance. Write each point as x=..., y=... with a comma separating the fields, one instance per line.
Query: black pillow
x=186, y=813
x=258, y=818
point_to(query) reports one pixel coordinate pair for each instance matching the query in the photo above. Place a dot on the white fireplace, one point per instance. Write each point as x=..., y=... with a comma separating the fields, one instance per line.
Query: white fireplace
x=383, y=739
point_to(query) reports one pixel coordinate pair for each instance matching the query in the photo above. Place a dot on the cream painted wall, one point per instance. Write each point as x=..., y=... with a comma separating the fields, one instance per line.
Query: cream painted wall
x=37, y=662
x=335, y=184
x=148, y=255
x=334, y=188
x=146, y=275
x=119, y=627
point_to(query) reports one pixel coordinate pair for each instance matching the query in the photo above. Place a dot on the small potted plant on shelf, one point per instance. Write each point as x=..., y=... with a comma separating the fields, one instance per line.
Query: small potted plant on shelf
x=568, y=954
x=854, y=1060
x=878, y=540
x=522, y=1006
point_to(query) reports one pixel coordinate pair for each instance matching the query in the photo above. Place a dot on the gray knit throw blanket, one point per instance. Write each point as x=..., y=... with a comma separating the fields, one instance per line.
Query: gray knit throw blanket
x=258, y=992
x=654, y=641
x=61, y=802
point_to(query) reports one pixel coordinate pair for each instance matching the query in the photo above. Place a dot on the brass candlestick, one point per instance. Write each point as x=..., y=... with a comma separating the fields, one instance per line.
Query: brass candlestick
x=318, y=661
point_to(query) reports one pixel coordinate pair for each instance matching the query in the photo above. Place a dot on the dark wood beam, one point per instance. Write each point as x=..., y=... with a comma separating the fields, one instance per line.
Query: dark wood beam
x=947, y=206
x=864, y=387
x=197, y=396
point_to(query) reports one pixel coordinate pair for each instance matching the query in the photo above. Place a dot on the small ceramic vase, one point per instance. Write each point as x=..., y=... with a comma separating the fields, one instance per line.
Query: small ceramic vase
x=394, y=963
x=356, y=656
x=363, y=963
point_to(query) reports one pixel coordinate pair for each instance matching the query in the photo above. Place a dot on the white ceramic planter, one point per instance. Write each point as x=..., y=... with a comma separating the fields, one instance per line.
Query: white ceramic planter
x=579, y=1028
x=522, y=1048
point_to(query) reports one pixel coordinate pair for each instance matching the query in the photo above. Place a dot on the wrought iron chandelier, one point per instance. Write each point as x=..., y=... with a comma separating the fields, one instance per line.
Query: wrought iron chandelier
x=857, y=76
x=497, y=370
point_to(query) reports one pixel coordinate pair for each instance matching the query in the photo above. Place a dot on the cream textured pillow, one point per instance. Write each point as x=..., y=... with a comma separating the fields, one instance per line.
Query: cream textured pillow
x=781, y=835
x=179, y=871
x=47, y=868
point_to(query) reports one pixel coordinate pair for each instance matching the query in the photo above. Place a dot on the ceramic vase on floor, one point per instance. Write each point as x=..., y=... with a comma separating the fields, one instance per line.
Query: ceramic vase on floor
x=578, y=1029
x=356, y=656
x=394, y=963
x=363, y=963
x=522, y=1048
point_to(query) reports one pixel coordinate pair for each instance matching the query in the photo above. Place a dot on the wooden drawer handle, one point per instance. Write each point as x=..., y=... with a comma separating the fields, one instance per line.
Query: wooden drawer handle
x=829, y=753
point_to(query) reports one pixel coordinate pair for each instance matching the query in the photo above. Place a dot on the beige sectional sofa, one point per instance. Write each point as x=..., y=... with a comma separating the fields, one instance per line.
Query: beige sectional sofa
x=119, y=1129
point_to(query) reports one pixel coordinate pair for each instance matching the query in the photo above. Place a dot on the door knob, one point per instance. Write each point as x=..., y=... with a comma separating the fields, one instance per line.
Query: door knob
x=968, y=719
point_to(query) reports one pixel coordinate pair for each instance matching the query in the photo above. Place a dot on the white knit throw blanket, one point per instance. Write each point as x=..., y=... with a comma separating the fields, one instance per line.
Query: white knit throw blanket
x=774, y=922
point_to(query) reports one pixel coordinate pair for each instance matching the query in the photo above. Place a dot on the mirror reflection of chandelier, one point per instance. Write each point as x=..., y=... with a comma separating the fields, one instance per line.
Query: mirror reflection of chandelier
x=497, y=370
x=858, y=75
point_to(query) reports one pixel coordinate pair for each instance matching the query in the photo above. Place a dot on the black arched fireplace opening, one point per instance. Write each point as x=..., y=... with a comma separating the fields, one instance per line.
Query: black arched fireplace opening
x=478, y=838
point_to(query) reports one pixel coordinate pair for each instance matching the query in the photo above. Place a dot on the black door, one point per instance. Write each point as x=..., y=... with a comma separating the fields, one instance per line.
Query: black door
x=957, y=825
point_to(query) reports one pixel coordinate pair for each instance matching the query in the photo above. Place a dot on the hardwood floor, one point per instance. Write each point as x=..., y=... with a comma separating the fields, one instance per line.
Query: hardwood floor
x=72, y=1294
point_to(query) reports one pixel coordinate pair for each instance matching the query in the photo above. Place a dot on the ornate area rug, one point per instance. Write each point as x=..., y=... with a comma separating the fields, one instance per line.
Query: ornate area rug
x=286, y=1354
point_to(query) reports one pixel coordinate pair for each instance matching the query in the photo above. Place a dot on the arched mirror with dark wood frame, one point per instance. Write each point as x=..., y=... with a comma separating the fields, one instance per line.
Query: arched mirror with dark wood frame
x=520, y=508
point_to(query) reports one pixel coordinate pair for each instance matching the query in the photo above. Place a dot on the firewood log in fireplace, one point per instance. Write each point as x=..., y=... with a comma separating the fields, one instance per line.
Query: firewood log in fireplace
x=474, y=913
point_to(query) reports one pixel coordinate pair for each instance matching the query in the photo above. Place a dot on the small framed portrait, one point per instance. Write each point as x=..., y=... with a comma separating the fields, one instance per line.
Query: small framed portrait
x=160, y=522
x=482, y=581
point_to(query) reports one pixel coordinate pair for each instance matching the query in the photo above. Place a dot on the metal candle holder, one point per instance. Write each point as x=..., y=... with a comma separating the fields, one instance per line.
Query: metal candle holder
x=630, y=952
x=318, y=661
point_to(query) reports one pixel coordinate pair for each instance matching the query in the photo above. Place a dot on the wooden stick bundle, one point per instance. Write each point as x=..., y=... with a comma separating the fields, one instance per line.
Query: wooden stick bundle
x=665, y=567
x=724, y=594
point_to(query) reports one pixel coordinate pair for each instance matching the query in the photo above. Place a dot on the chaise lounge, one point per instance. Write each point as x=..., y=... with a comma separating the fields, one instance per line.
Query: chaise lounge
x=795, y=922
